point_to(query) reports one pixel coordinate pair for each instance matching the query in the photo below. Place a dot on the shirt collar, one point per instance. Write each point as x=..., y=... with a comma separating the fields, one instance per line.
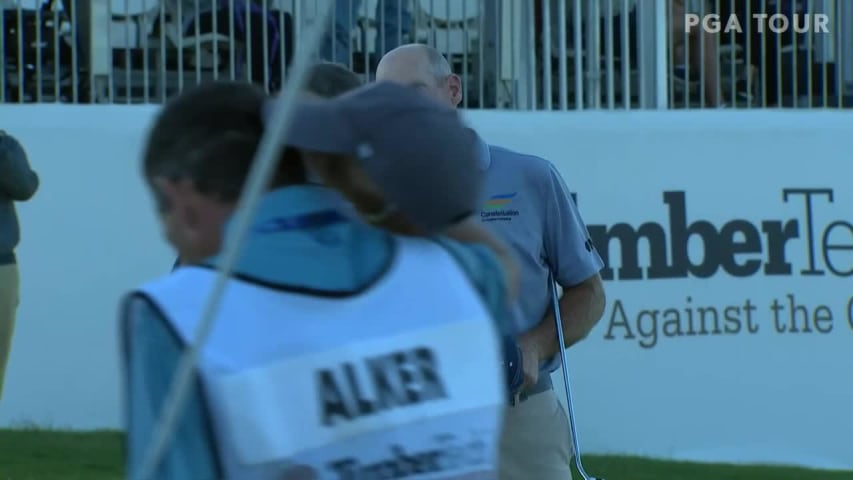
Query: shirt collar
x=484, y=153
x=294, y=200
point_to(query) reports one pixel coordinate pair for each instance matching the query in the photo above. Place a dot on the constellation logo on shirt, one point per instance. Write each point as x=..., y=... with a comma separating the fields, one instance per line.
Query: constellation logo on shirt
x=499, y=207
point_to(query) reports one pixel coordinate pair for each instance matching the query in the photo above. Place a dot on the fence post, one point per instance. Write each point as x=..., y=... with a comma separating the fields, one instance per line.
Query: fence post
x=653, y=45
x=100, y=57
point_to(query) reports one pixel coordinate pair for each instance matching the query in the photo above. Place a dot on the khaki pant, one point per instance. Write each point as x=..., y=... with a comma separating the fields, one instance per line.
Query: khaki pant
x=535, y=441
x=8, y=305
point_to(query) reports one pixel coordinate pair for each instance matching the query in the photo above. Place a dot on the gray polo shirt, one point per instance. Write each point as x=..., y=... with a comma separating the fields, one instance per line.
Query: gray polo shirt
x=528, y=205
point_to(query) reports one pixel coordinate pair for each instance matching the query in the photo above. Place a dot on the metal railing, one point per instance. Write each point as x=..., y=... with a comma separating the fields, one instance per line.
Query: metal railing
x=519, y=54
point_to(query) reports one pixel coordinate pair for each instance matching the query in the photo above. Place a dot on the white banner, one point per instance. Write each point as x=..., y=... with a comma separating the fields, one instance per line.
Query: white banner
x=728, y=334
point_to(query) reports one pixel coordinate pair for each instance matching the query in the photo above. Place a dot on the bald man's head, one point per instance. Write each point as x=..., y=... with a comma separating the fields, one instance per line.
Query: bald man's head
x=423, y=67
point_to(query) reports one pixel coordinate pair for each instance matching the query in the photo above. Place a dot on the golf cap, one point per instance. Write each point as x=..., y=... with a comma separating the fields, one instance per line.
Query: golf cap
x=419, y=152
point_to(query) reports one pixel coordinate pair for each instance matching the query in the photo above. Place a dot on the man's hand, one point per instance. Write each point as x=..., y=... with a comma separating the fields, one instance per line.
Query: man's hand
x=531, y=355
x=513, y=363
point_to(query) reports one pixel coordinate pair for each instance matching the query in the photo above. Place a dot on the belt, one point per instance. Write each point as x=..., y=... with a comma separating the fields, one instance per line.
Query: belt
x=543, y=385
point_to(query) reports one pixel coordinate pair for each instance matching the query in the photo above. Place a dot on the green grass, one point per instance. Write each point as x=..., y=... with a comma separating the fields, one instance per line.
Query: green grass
x=34, y=454
x=632, y=468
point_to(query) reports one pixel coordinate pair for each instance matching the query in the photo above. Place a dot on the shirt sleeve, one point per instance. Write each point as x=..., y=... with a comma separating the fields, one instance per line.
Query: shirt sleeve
x=484, y=270
x=152, y=354
x=569, y=251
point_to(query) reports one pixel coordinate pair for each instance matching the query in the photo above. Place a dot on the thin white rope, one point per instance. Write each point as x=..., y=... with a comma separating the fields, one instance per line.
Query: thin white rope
x=258, y=179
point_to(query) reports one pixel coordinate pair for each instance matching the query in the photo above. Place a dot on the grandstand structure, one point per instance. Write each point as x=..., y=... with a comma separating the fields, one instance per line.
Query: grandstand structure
x=511, y=54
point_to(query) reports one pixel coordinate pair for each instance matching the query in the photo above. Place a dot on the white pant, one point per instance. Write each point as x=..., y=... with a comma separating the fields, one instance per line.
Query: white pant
x=536, y=440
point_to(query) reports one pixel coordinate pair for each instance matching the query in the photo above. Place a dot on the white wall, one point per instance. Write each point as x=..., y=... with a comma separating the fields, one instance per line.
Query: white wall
x=87, y=236
x=90, y=235
x=763, y=397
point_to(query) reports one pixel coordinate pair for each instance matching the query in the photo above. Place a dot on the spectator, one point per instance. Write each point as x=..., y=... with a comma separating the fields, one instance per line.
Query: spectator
x=699, y=46
x=696, y=45
x=18, y=182
x=328, y=80
x=247, y=23
x=395, y=25
x=262, y=45
x=79, y=15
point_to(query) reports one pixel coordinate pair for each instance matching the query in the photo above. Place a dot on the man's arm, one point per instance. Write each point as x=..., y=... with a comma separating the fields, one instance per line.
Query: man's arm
x=17, y=180
x=581, y=307
x=575, y=264
x=152, y=353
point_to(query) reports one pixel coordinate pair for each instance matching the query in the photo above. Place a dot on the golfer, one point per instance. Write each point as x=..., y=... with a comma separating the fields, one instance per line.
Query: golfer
x=527, y=204
x=336, y=352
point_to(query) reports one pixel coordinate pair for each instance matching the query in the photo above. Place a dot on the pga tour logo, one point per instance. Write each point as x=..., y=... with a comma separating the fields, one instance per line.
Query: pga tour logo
x=764, y=22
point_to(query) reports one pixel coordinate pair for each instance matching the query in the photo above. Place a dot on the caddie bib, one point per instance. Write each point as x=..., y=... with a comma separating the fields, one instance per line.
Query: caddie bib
x=400, y=381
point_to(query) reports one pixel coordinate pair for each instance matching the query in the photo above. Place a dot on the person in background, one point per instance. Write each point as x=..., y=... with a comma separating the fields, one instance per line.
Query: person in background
x=18, y=183
x=315, y=284
x=248, y=22
x=526, y=204
x=394, y=24
x=329, y=80
x=695, y=51
x=79, y=15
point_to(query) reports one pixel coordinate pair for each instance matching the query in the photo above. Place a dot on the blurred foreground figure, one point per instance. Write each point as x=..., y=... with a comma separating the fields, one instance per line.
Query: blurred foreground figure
x=341, y=350
x=325, y=80
x=18, y=183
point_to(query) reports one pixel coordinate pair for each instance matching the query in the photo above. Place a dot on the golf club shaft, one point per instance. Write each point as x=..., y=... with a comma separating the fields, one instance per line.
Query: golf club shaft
x=565, y=364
